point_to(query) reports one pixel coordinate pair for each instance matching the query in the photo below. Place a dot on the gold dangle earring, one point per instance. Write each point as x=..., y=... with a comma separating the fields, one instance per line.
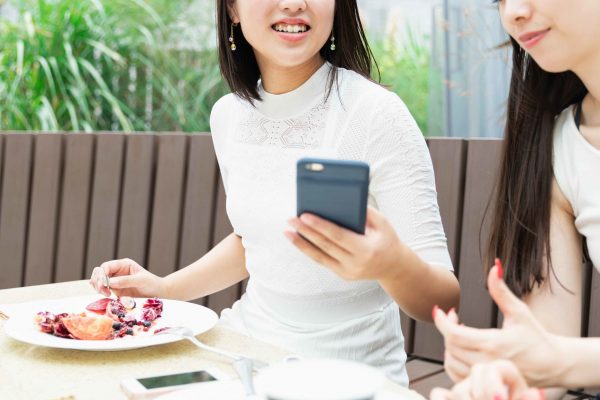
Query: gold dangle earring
x=231, y=38
x=332, y=46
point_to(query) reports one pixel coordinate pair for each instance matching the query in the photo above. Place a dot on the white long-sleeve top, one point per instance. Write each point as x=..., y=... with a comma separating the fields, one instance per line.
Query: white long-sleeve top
x=290, y=300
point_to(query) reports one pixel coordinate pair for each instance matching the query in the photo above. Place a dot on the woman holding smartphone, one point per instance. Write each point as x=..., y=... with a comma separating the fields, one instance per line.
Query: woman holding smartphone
x=299, y=72
x=548, y=201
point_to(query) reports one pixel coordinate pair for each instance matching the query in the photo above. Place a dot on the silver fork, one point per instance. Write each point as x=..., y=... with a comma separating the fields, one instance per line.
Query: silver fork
x=187, y=333
x=3, y=316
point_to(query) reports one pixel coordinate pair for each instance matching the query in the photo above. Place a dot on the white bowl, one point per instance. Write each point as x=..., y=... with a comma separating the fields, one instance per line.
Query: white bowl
x=319, y=379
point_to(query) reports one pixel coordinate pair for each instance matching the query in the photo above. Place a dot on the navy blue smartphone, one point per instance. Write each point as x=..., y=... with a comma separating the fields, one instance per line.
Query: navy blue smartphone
x=336, y=190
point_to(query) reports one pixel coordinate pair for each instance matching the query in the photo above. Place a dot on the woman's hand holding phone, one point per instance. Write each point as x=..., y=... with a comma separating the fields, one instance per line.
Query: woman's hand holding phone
x=334, y=227
x=352, y=256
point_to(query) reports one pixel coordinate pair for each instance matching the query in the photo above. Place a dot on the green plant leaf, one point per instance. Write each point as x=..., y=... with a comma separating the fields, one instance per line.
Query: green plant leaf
x=102, y=48
x=72, y=116
x=48, y=72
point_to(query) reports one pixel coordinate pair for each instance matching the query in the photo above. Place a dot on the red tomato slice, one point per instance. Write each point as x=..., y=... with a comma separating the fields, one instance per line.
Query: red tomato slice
x=89, y=328
x=99, y=306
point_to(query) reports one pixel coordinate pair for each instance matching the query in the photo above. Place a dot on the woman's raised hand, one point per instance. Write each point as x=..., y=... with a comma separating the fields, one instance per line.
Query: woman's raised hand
x=126, y=278
x=496, y=380
x=522, y=339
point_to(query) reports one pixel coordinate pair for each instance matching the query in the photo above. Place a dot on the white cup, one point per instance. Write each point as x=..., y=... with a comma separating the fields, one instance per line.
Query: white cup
x=319, y=379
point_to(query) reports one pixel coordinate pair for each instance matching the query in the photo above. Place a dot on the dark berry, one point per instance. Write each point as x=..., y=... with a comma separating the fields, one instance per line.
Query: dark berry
x=147, y=324
x=117, y=326
x=121, y=315
x=129, y=331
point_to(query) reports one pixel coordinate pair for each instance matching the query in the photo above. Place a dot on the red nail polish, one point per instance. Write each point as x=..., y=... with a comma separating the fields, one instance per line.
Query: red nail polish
x=500, y=268
x=542, y=394
x=434, y=311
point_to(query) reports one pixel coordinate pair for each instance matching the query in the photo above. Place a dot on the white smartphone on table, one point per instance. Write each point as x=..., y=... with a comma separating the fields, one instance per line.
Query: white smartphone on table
x=154, y=386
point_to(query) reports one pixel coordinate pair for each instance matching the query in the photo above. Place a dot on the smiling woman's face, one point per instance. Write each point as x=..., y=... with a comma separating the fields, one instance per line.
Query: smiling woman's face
x=560, y=35
x=285, y=33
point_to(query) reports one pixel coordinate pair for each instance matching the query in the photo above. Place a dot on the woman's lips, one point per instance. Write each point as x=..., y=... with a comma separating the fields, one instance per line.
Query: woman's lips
x=530, y=39
x=292, y=37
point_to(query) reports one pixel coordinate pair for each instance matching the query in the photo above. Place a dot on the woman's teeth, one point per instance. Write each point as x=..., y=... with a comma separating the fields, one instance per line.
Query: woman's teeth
x=290, y=28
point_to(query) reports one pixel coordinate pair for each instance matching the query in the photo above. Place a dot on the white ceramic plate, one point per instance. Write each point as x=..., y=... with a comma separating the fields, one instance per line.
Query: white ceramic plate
x=21, y=326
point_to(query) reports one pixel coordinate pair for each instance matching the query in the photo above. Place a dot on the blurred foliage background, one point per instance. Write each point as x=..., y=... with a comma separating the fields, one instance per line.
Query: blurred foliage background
x=139, y=65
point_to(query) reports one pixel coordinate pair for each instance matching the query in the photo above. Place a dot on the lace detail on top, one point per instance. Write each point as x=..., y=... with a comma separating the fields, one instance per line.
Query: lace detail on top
x=303, y=132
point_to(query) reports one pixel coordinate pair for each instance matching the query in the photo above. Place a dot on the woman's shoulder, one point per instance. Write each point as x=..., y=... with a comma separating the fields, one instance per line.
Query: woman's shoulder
x=563, y=162
x=565, y=117
x=370, y=95
x=225, y=103
x=565, y=130
x=354, y=81
x=223, y=109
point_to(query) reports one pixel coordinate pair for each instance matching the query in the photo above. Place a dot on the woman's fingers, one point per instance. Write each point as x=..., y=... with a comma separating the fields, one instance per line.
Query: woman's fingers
x=125, y=281
x=117, y=273
x=456, y=369
x=453, y=316
x=499, y=379
x=124, y=266
x=487, y=383
x=440, y=394
x=506, y=300
x=469, y=357
x=463, y=336
x=343, y=238
x=311, y=250
x=97, y=282
x=319, y=239
x=510, y=376
x=532, y=394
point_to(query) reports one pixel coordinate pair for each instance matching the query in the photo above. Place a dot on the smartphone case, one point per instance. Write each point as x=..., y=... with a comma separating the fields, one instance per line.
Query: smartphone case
x=336, y=190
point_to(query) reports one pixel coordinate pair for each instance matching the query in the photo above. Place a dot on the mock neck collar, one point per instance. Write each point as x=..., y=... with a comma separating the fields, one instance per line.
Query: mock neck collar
x=286, y=105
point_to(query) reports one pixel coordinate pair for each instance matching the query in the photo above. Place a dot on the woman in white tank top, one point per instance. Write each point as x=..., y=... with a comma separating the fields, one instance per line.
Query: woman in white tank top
x=547, y=218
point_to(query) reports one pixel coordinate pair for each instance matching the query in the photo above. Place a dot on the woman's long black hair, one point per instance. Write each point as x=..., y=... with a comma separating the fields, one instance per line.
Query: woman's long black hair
x=521, y=219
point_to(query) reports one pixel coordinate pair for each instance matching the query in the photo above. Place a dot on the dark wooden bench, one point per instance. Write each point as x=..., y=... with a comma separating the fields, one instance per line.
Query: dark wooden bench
x=70, y=201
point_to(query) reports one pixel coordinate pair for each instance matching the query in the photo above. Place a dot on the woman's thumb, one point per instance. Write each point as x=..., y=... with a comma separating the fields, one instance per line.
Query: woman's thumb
x=505, y=299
